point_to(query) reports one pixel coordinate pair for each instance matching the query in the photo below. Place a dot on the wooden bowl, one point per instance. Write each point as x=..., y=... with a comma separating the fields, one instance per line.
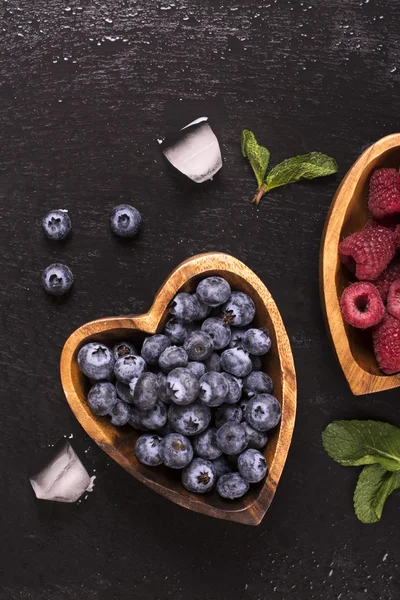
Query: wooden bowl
x=348, y=213
x=119, y=442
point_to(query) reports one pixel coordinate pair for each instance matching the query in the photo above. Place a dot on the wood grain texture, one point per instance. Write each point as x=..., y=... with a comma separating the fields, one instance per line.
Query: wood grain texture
x=349, y=213
x=119, y=442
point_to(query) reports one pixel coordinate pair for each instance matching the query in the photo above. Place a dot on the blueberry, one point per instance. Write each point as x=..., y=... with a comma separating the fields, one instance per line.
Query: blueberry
x=205, y=444
x=252, y=465
x=219, y=332
x=197, y=368
x=182, y=386
x=213, y=363
x=163, y=388
x=184, y=307
x=123, y=349
x=236, y=362
x=57, y=279
x=256, y=362
x=198, y=345
x=227, y=413
x=202, y=310
x=231, y=486
x=199, y=476
x=256, y=341
x=56, y=224
x=125, y=221
x=147, y=450
x=257, y=439
x=191, y=419
x=172, y=357
x=213, y=389
x=177, y=331
x=123, y=392
x=257, y=383
x=96, y=361
x=144, y=390
x=221, y=466
x=153, y=347
x=176, y=451
x=102, y=398
x=156, y=417
x=232, y=438
x=213, y=291
x=263, y=412
x=234, y=388
x=135, y=419
x=236, y=337
x=239, y=310
x=129, y=367
x=120, y=413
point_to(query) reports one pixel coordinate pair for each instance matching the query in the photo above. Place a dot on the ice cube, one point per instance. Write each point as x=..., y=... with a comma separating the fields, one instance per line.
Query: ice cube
x=195, y=152
x=64, y=479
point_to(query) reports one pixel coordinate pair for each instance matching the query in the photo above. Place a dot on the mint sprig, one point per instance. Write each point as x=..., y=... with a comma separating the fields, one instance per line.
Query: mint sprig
x=305, y=166
x=377, y=446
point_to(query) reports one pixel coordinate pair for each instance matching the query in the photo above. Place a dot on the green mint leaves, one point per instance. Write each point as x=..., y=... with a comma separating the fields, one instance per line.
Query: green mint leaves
x=306, y=166
x=375, y=445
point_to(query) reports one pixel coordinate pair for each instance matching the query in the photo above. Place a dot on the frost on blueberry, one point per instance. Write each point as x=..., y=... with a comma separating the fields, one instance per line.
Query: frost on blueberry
x=128, y=367
x=239, y=310
x=236, y=362
x=182, y=386
x=263, y=412
x=213, y=291
x=176, y=451
x=123, y=349
x=198, y=345
x=125, y=221
x=57, y=279
x=56, y=224
x=96, y=361
x=189, y=420
x=199, y=476
x=252, y=465
x=147, y=450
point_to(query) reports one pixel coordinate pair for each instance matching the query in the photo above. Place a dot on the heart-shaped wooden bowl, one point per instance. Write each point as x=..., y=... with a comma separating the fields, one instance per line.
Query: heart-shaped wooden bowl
x=348, y=213
x=119, y=442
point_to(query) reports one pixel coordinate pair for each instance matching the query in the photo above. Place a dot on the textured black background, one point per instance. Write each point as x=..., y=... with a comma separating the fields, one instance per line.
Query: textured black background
x=86, y=88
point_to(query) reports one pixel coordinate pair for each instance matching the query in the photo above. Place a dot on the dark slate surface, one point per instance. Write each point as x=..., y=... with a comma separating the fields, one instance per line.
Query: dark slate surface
x=85, y=91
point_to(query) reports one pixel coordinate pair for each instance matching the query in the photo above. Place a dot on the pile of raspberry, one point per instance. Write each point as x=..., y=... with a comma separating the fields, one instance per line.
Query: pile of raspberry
x=373, y=256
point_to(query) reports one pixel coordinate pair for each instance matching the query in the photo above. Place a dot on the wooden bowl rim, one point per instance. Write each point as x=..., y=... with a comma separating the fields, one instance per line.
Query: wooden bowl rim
x=360, y=381
x=196, y=265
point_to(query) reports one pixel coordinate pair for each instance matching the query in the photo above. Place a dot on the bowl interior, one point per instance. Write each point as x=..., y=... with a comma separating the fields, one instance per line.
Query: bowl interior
x=356, y=216
x=122, y=439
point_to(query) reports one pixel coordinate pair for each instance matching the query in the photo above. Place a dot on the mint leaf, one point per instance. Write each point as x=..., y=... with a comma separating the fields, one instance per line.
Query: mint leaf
x=305, y=166
x=353, y=443
x=374, y=485
x=258, y=155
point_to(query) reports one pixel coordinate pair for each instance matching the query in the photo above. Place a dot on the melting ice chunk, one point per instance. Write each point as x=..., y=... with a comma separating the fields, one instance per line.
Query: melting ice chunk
x=64, y=479
x=196, y=152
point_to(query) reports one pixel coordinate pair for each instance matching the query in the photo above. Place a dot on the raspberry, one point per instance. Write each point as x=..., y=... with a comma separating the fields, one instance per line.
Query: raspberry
x=368, y=252
x=384, y=281
x=386, y=338
x=362, y=305
x=384, y=193
x=393, y=300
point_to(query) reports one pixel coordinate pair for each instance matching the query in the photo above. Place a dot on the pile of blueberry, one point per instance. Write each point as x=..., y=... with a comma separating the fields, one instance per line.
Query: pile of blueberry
x=196, y=390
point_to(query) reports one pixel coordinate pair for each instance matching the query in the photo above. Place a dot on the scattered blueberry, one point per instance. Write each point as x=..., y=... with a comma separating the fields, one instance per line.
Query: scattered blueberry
x=213, y=291
x=257, y=383
x=252, y=465
x=232, y=438
x=120, y=413
x=234, y=388
x=177, y=331
x=144, y=390
x=221, y=466
x=147, y=450
x=56, y=224
x=184, y=307
x=153, y=347
x=257, y=439
x=156, y=417
x=199, y=476
x=236, y=362
x=219, y=332
x=197, y=368
x=182, y=386
x=205, y=444
x=213, y=363
x=198, y=345
x=191, y=419
x=128, y=367
x=176, y=451
x=263, y=412
x=239, y=310
x=213, y=389
x=256, y=341
x=102, y=398
x=172, y=357
x=96, y=361
x=57, y=279
x=227, y=413
x=231, y=486
x=125, y=221
x=123, y=349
